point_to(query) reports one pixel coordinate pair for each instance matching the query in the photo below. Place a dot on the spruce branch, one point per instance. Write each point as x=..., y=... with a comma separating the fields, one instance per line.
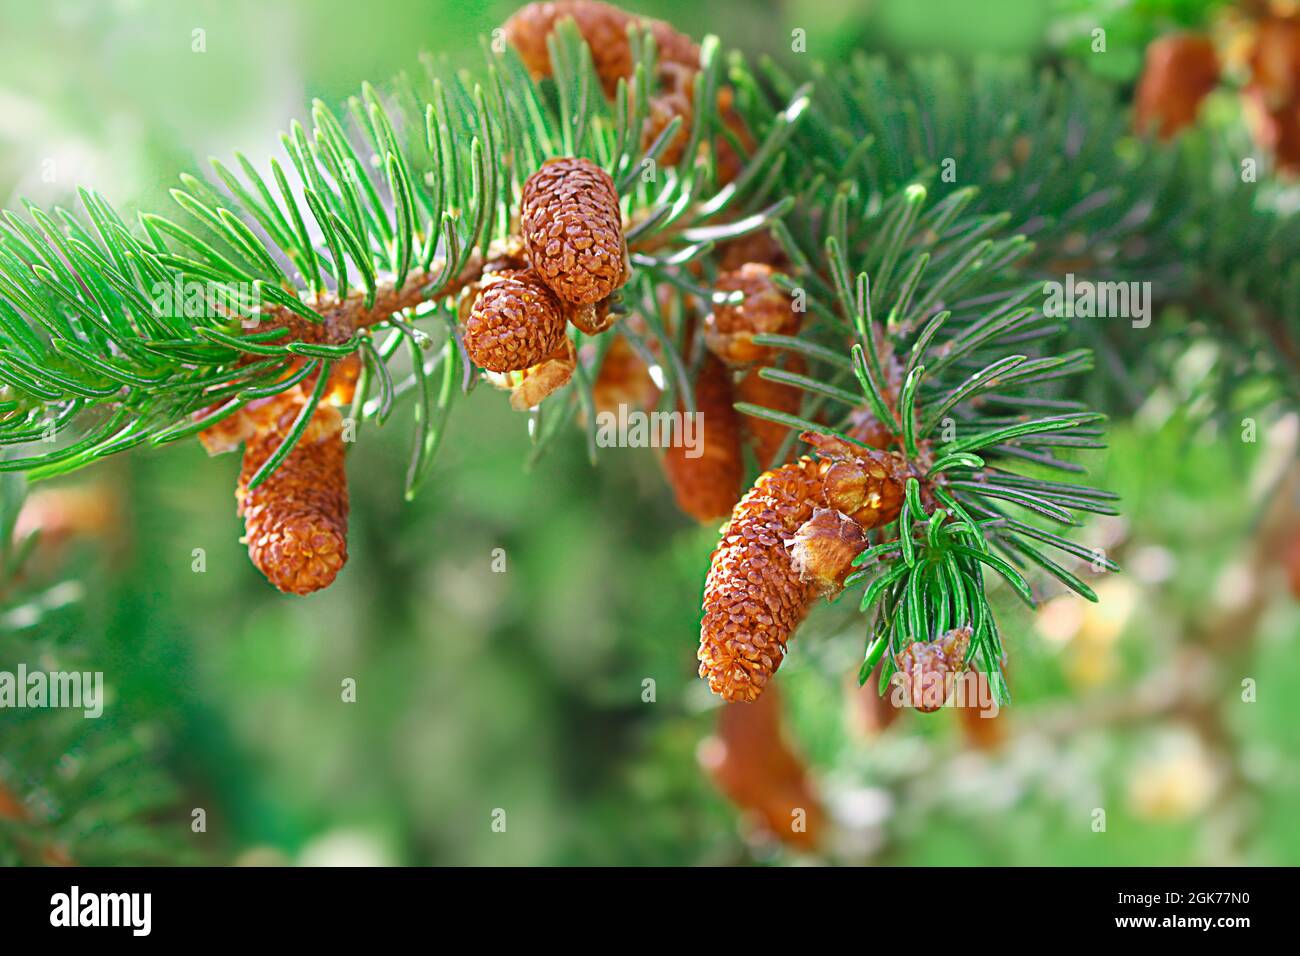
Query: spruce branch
x=922, y=341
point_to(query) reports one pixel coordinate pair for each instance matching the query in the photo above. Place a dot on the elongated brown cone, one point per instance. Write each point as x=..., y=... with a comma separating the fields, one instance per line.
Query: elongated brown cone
x=604, y=27
x=296, y=520
x=1272, y=95
x=573, y=229
x=868, y=713
x=754, y=599
x=730, y=163
x=663, y=110
x=706, y=478
x=753, y=596
x=1181, y=69
x=751, y=761
x=1291, y=559
x=765, y=435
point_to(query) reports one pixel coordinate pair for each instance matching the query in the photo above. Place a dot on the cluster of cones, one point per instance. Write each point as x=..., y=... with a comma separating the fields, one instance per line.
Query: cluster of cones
x=296, y=519
x=566, y=266
x=607, y=32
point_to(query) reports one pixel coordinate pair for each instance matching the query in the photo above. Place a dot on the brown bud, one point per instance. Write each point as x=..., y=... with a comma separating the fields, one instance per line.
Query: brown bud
x=864, y=483
x=729, y=330
x=823, y=549
x=296, y=520
x=927, y=670
x=573, y=229
x=515, y=322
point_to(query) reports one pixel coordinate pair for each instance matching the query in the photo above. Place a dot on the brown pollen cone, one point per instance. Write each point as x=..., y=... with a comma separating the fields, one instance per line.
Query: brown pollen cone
x=750, y=760
x=707, y=485
x=296, y=520
x=757, y=246
x=1272, y=95
x=754, y=599
x=868, y=712
x=573, y=229
x=765, y=435
x=1180, y=71
x=730, y=163
x=664, y=108
x=823, y=549
x=604, y=27
x=514, y=323
x=729, y=330
x=928, y=670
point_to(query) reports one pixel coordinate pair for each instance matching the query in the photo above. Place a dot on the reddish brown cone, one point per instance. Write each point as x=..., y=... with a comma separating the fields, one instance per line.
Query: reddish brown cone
x=765, y=435
x=514, y=323
x=573, y=230
x=729, y=330
x=706, y=478
x=753, y=764
x=1180, y=71
x=296, y=520
x=754, y=598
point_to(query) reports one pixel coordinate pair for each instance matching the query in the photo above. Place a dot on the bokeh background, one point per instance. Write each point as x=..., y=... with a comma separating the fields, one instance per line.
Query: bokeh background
x=523, y=690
